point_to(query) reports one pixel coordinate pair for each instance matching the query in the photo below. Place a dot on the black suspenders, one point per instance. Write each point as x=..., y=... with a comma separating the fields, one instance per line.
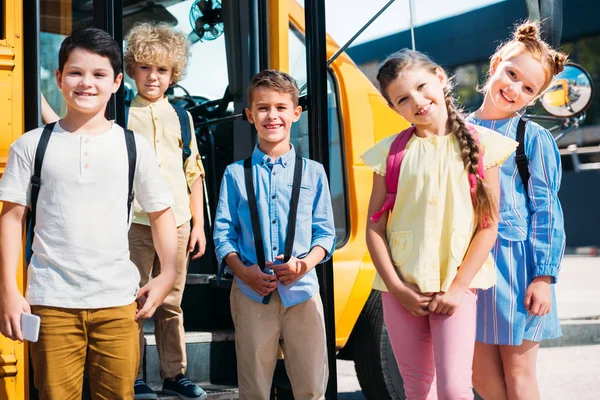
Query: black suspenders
x=255, y=217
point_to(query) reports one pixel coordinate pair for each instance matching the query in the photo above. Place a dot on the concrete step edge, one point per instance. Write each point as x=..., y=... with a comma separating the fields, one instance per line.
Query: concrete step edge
x=215, y=392
x=198, y=337
x=577, y=332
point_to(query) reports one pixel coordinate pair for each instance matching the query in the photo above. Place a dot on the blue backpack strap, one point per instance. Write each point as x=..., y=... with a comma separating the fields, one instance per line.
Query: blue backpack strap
x=186, y=132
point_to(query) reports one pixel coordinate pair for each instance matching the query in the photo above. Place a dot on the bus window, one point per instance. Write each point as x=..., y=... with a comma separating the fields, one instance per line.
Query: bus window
x=206, y=77
x=299, y=134
x=57, y=20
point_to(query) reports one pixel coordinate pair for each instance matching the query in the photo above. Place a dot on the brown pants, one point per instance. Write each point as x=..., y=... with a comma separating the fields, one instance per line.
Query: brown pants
x=258, y=328
x=168, y=319
x=108, y=337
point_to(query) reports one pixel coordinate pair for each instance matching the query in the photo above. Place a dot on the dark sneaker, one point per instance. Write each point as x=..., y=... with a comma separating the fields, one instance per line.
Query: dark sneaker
x=184, y=388
x=143, y=391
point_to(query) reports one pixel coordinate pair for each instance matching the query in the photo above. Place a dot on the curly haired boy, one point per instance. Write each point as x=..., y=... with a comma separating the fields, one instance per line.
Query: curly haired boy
x=156, y=58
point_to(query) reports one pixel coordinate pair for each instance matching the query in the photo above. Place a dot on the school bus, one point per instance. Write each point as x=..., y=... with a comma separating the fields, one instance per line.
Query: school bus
x=557, y=95
x=231, y=42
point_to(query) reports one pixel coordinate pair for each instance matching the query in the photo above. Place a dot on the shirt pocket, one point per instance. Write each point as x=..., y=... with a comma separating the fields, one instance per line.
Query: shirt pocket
x=459, y=244
x=305, y=203
x=401, y=246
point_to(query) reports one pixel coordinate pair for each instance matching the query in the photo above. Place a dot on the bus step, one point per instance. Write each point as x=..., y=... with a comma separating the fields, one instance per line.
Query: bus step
x=208, y=279
x=215, y=392
x=210, y=358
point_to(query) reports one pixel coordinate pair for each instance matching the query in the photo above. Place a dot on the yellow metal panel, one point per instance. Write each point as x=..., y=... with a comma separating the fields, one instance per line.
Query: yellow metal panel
x=278, y=34
x=14, y=368
x=366, y=118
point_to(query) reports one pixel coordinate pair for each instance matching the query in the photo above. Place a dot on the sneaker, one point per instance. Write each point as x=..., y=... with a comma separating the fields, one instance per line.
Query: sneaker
x=143, y=391
x=184, y=388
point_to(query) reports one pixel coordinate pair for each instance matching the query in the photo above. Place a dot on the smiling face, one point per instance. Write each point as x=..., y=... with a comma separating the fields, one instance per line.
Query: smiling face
x=514, y=83
x=152, y=81
x=417, y=94
x=87, y=81
x=272, y=113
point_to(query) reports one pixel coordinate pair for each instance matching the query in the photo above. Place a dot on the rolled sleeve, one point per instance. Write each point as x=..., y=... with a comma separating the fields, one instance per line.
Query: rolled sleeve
x=193, y=167
x=546, y=231
x=227, y=222
x=15, y=183
x=323, y=227
x=150, y=189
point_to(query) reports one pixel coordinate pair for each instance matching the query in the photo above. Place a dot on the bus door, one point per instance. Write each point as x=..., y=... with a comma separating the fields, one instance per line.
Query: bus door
x=13, y=368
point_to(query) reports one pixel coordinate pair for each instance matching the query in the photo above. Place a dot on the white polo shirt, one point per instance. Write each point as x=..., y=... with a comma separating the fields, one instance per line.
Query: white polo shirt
x=80, y=248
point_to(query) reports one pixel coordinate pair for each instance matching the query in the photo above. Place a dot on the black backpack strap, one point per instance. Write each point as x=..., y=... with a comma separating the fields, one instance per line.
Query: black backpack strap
x=132, y=160
x=291, y=228
x=521, y=157
x=36, y=182
x=186, y=133
x=126, y=121
x=255, y=219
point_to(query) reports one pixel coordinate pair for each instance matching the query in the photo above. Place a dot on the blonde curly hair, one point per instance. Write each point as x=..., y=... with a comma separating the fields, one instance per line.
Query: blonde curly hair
x=157, y=44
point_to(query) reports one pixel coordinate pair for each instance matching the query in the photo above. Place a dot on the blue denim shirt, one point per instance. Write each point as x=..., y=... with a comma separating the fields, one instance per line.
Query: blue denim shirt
x=536, y=216
x=273, y=184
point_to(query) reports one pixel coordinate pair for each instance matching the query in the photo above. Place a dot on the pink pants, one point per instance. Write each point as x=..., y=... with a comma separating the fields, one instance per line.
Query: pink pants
x=434, y=353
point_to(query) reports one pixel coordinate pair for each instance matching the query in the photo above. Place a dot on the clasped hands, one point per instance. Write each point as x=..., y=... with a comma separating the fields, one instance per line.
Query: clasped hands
x=286, y=273
x=421, y=304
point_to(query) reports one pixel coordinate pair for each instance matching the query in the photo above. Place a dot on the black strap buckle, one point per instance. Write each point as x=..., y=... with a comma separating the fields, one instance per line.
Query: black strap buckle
x=521, y=158
x=35, y=181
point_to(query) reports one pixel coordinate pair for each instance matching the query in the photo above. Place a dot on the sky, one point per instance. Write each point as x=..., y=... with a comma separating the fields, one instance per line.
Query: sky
x=343, y=19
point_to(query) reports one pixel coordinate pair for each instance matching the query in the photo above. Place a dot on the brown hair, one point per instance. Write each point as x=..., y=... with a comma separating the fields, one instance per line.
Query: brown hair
x=389, y=70
x=157, y=44
x=274, y=80
x=526, y=39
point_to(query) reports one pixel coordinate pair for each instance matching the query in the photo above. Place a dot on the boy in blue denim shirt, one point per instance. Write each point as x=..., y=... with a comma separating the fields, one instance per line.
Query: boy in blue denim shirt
x=283, y=299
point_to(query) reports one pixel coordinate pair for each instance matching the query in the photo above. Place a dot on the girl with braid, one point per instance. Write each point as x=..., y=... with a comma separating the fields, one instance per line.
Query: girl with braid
x=520, y=311
x=431, y=240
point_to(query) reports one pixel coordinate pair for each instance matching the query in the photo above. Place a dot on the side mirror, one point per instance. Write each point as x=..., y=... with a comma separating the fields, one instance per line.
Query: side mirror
x=570, y=93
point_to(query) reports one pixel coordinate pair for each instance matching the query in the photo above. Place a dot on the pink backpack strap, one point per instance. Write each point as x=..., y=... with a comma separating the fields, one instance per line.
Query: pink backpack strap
x=480, y=169
x=392, y=174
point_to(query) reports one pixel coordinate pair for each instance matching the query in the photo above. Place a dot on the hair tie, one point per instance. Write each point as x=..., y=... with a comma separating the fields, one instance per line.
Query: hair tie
x=473, y=182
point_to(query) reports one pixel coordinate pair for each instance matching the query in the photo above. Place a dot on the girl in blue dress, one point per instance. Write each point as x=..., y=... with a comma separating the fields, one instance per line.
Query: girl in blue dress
x=520, y=311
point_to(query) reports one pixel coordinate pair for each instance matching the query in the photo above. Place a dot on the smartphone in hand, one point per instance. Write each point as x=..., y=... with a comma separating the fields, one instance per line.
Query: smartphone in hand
x=30, y=327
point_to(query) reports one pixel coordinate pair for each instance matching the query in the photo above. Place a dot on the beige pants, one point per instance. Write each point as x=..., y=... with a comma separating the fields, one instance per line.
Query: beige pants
x=258, y=328
x=106, y=340
x=168, y=319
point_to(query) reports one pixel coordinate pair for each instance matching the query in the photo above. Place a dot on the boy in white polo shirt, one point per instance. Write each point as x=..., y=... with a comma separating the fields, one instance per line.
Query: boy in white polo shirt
x=81, y=282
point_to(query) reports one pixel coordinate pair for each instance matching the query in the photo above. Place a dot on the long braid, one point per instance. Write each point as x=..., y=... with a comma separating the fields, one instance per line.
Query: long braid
x=484, y=203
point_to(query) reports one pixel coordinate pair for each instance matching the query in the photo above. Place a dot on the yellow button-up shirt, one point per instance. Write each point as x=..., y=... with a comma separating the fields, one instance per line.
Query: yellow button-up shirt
x=433, y=220
x=159, y=124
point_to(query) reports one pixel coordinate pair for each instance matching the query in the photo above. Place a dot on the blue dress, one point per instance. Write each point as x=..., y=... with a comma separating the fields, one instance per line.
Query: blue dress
x=531, y=240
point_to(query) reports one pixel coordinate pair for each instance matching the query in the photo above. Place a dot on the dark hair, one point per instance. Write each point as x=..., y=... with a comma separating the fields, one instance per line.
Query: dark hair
x=274, y=80
x=404, y=59
x=94, y=40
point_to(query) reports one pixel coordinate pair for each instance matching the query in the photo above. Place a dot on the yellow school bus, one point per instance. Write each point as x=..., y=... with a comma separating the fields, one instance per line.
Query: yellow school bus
x=14, y=374
x=558, y=94
x=231, y=42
